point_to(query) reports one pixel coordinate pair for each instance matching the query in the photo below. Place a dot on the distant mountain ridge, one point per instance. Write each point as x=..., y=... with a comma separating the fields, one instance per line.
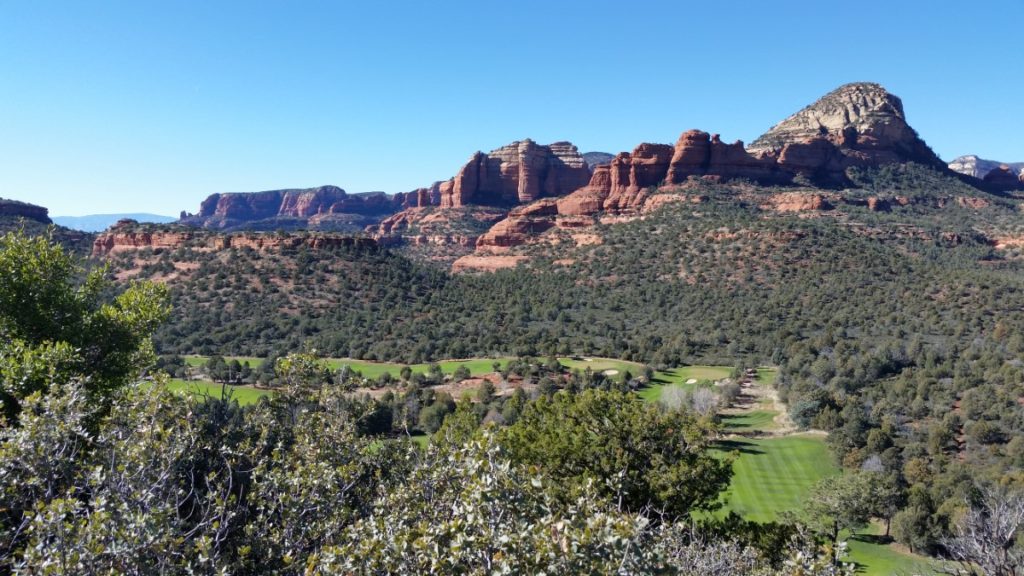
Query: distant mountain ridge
x=100, y=222
x=972, y=165
x=595, y=159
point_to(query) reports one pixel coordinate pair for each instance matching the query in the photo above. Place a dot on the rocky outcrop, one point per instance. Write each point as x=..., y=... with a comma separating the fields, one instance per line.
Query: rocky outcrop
x=486, y=263
x=432, y=226
x=972, y=202
x=972, y=165
x=864, y=123
x=796, y=202
x=698, y=153
x=521, y=224
x=630, y=175
x=589, y=199
x=240, y=206
x=423, y=197
x=855, y=125
x=128, y=236
x=16, y=209
x=518, y=173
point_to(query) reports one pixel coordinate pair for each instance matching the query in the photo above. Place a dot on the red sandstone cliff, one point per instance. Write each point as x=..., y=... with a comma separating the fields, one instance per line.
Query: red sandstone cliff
x=518, y=173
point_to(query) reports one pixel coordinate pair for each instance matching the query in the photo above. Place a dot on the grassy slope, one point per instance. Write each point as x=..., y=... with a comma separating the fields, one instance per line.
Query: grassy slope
x=677, y=377
x=773, y=475
x=244, y=394
x=750, y=421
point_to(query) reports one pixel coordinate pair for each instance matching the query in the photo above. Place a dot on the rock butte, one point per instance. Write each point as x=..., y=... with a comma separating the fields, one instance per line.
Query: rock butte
x=233, y=209
x=518, y=173
x=24, y=210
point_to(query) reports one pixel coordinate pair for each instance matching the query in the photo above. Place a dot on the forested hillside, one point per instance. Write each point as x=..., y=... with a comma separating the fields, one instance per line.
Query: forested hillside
x=896, y=330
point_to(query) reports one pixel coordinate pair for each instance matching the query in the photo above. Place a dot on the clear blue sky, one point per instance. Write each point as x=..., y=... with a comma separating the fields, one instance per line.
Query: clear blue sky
x=151, y=106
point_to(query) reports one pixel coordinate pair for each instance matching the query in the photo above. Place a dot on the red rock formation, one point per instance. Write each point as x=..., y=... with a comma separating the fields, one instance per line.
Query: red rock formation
x=486, y=263
x=622, y=184
x=630, y=174
x=515, y=174
x=589, y=199
x=435, y=226
x=796, y=202
x=521, y=224
x=243, y=206
x=125, y=236
x=972, y=202
x=876, y=204
x=699, y=154
x=816, y=156
x=236, y=209
x=110, y=242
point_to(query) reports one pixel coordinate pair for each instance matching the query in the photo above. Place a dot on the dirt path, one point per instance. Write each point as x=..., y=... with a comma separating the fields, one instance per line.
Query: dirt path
x=759, y=397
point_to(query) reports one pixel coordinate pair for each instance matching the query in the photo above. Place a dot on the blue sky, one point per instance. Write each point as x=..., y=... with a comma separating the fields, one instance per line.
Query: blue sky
x=151, y=106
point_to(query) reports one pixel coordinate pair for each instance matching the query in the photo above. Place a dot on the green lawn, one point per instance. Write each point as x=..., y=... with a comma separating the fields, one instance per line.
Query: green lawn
x=244, y=394
x=601, y=364
x=773, y=475
x=878, y=559
x=677, y=377
x=750, y=421
x=767, y=376
x=201, y=360
x=373, y=370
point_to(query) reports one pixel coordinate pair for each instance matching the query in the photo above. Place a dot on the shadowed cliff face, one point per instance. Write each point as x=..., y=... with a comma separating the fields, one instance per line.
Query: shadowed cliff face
x=24, y=210
x=1004, y=178
x=997, y=175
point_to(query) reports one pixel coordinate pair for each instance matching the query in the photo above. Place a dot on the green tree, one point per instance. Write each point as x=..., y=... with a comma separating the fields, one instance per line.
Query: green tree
x=57, y=324
x=639, y=455
x=844, y=502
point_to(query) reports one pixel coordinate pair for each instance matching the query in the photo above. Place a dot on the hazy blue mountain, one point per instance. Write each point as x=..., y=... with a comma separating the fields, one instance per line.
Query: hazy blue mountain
x=597, y=158
x=100, y=222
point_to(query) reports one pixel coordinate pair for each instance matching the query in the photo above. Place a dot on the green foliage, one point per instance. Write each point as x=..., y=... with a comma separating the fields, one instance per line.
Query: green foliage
x=638, y=455
x=56, y=325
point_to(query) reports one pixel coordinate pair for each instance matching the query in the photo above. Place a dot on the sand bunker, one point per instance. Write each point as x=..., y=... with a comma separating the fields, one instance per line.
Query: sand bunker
x=691, y=381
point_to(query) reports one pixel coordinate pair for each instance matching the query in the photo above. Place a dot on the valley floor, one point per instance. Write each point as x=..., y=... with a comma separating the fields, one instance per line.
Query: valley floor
x=776, y=464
